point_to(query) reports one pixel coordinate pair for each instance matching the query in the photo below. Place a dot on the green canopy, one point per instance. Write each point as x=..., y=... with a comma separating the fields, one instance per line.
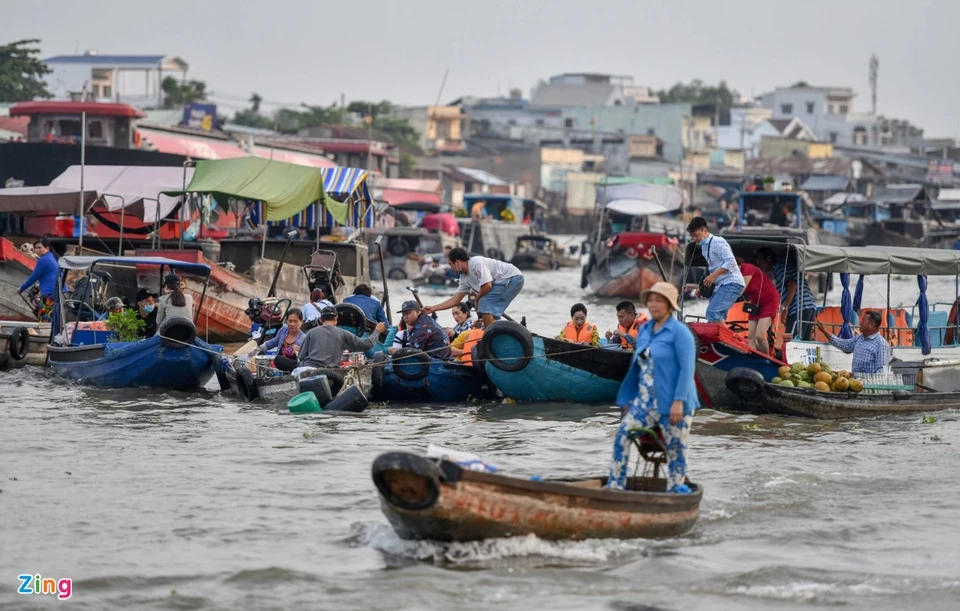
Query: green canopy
x=284, y=188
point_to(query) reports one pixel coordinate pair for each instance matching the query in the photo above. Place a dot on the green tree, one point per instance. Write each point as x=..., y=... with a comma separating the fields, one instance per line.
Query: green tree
x=696, y=92
x=21, y=73
x=176, y=94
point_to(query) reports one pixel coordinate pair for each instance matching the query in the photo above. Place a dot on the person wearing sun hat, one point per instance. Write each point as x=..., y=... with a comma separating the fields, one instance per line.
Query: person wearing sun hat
x=659, y=389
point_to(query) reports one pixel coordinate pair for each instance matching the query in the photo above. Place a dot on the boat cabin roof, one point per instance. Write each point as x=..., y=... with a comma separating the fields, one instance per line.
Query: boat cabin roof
x=88, y=261
x=867, y=260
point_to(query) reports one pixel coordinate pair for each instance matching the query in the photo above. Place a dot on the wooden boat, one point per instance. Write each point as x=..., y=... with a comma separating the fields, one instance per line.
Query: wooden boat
x=759, y=396
x=265, y=384
x=636, y=243
x=23, y=344
x=15, y=267
x=412, y=376
x=174, y=358
x=528, y=367
x=761, y=216
x=428, y=499
x=540, y=253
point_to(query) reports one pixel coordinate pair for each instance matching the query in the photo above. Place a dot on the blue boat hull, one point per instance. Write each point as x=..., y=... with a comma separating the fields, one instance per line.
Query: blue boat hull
x=557, y=371
x=146, y=363
x=446, y=382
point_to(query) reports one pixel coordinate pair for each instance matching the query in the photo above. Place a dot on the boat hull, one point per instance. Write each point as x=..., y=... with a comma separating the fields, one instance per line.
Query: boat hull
x=445, y=382
x=426, y=500
x=147, y=363
x=36, y=346
x=718, y=353
x=15, y=268
x=765, y=398
x=555, y=371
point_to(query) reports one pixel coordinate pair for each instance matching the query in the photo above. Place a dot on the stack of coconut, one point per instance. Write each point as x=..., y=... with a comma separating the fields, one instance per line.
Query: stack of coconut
x=817, y=375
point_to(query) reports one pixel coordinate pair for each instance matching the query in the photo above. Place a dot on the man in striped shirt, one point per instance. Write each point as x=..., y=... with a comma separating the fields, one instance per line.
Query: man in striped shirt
x=792, y=300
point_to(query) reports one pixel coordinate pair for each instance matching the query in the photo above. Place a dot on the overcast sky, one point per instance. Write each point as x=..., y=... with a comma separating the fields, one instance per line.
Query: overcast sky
x=293, y=51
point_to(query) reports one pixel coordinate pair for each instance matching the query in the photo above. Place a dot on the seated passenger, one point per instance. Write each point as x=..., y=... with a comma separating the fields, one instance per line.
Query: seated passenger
x=311, y=310
x=114, y=305
x=461, y=315
x=423, y=332
x=628, y=324
x=578, y=330
x=363, y=298
x=287, y=342
x=175, y=303
x=324, y=345
x=461, y=346
x=147, y=312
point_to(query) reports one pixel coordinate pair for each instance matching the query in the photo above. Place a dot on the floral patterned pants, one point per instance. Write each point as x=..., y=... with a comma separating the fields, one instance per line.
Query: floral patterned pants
x=642, y=413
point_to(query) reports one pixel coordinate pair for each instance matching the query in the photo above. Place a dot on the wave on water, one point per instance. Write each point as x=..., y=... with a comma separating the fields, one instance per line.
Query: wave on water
x=481, y=553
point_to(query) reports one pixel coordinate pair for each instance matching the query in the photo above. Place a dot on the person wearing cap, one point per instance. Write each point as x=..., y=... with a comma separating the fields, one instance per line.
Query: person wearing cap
x=496, y=283
x=324, y=345
x=659, y=389
x=423, y=332
x=147, y=312
x=176, y=303
x=114, y=305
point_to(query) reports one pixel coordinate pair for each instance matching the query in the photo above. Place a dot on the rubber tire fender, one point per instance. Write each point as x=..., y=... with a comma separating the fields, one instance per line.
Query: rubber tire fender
x=219, y=368
x=385, y=464
x=398, y=247
x=745, y=383
x=177, y=331
x=246, y=385
x=376, y=374
x=511, y=329
x=410, y=356
x=349, y=315
x=584, y=282
x=494, y=253
x=19, y=344
x=397, y=274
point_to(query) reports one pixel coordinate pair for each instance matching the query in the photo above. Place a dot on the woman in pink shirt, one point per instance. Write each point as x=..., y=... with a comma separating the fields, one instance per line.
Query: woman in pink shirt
x=762, y=292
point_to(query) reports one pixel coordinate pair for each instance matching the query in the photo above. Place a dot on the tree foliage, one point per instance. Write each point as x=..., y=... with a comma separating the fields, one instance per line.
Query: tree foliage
x=21, y=73
x=176, y=94
x=696, y=92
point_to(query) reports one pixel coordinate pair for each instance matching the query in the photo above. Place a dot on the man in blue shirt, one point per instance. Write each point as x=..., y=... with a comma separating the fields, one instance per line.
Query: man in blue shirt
x=724, y=273
x=871, y=353
x=44, y=273
x=362, y=298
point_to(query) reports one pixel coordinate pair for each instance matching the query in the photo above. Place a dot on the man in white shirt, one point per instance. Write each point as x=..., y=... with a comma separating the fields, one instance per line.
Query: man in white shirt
x=496, y=283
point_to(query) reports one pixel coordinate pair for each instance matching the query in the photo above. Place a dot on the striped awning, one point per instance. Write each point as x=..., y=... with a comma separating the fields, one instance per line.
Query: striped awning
x=347, y=185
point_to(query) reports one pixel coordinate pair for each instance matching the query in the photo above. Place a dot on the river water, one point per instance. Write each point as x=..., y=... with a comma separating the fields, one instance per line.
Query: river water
x=154, y=500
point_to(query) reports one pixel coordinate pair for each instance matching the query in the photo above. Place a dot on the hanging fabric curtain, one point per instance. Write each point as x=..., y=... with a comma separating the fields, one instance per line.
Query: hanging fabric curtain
x=846, y=307
x=858, y=294
x=344, y=185
x=923, y=307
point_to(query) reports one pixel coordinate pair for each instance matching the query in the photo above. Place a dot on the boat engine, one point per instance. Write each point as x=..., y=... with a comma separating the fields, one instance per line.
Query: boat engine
x=266, y=316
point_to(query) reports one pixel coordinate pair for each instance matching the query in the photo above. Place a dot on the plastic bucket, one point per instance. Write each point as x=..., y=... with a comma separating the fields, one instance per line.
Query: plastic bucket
x=304, y=403
x=349, y=400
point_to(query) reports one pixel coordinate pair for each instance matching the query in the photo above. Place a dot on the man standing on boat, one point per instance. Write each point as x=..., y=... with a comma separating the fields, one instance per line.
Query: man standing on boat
x=496, y=283
x=724, y=274
x=45, y=274
x=871, y=353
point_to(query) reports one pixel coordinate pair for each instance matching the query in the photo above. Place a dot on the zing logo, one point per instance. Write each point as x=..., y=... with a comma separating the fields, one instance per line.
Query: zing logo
x=34, y=584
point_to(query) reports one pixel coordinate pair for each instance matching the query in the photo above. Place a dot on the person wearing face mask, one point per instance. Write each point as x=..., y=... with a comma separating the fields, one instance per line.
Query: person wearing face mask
x=147, y=312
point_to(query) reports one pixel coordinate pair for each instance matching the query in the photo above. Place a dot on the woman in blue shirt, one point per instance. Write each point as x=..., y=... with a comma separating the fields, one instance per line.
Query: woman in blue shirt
x=659, y=389
x=288, y=341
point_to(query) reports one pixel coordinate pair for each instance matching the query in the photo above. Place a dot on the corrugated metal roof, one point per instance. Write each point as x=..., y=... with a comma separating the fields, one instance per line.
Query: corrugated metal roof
x=564, y=94
x=949, y=195
x=483, y=177
x=825, y=183
x=899, y=194
x=145, y=60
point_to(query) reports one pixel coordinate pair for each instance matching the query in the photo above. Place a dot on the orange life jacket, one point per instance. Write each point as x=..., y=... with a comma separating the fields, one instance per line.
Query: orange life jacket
x=473, y=336
x=632, y=331
x=585, y=334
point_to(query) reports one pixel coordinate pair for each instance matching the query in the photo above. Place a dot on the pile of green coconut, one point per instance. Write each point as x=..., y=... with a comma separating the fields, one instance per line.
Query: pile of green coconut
x=817, y=375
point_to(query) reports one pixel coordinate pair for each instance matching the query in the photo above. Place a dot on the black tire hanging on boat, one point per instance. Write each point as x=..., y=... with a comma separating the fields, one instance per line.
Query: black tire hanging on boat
x=349, y=315
x=745, y=383
x=177, y=332
x=398, y=247
x=510, y=329
x=376, y=374
x=584, y=282
x=397, y=274
x=407, y=357
x=218, y=368
x=246, y=385
x=477, y=363
x=386, y=465
x=19, y=343
x=495, y=253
